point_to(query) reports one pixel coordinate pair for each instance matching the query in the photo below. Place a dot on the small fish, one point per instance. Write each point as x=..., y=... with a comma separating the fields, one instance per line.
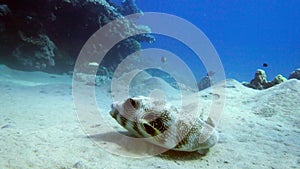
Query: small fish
x=265, y=65
x=163, y=59
x=93, y=64
x=211, y=73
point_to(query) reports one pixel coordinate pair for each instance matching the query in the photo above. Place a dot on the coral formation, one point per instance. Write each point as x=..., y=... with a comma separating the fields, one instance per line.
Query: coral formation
x=4, y=12
x=36, y=53
x=47, y=28
x=204, y=83
x=127, y=7
x=278, y=79
x=295, y=74
x=260, y=80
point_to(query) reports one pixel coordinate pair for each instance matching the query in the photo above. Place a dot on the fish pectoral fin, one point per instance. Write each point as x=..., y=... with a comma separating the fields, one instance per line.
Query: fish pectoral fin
x=203, y=152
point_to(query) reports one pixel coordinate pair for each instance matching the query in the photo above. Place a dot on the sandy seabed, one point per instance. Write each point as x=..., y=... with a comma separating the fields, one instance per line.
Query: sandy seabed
x=39, y=128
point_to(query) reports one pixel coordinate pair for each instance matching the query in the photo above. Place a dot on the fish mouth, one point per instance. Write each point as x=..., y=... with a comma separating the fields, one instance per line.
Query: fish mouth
x=113, y=112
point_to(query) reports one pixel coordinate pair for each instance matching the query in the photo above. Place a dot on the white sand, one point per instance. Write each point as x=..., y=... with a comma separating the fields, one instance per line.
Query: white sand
x=39, y=128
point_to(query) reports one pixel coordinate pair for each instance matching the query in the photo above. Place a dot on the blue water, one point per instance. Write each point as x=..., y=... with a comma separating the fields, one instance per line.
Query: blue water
x=246, y=34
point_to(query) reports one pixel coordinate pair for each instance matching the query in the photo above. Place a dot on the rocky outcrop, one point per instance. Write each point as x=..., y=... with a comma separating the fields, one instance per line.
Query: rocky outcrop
x=128, y=7
x=38, y=53
x=48, y=34
x=4, y=13
x=204, y=83
x=260, y=80
x=295, y=74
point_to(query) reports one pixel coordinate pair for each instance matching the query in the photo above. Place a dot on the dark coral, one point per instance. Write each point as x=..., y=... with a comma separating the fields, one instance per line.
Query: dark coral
x=260, y=81
x=295, y=74
x=204, y=83
x=4, y=15
x=48, y=34
x=129, y=7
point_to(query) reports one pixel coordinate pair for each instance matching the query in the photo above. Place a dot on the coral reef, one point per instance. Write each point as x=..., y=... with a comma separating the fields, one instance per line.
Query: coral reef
x=43, y=34
x=278, y=79
x=129, y=7
x=260, y=80
x=206, y=81
x=37, y=53
x=295, y=74
x=4, y=12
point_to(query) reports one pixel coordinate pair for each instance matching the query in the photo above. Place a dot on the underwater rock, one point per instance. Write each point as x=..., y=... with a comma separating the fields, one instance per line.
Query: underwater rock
x=295, y=74
x=37, y=19
x=204, y=83
x=141, y=83
x=4, y=12
x=278, y=79
x=260, y=81
x=127, y=7
x=35, y=53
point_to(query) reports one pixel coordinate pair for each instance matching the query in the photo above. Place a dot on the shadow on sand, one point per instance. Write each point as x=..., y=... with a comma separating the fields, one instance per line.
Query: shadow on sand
x=111, y=138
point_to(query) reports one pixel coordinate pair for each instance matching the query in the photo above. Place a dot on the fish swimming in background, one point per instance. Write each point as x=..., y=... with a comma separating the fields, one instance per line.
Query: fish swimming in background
x=265, y=65
x=93, y=64
x=211, y=73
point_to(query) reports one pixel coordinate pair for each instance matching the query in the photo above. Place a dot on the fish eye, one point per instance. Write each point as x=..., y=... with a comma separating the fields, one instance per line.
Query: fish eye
x=158, y=124
x=149, y=129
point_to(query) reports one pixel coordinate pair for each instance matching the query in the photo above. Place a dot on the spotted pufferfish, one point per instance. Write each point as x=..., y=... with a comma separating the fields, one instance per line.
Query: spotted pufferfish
x=162, y=124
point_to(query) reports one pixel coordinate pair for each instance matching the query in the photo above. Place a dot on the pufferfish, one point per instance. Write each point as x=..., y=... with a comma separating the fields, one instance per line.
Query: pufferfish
x=162, y=124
